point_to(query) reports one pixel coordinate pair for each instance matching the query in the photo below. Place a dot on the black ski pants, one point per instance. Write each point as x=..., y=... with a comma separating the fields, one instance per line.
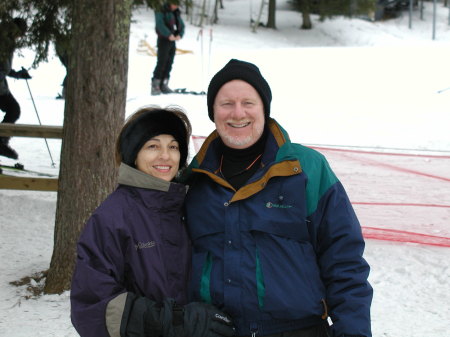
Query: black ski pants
x=9, y=105
x=166, y=55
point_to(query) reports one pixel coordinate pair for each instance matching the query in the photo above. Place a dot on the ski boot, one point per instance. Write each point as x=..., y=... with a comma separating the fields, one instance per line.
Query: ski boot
x=165, y=87
x=7, y=151
x=156, y=90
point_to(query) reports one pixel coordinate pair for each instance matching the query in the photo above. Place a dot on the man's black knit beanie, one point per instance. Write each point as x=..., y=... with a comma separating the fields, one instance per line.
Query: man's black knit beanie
x=239, y=70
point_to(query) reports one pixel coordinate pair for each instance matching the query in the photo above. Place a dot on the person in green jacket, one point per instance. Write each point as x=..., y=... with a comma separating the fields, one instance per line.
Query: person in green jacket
x=169, y=27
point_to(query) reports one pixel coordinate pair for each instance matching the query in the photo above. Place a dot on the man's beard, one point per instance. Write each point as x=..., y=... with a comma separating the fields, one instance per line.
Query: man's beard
x=237, y=141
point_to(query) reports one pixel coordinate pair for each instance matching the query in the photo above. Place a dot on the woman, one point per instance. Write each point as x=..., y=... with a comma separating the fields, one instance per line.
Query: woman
x=134, y=255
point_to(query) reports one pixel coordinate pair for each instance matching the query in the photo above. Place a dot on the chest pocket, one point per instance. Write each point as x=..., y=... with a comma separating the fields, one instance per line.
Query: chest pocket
x=279, y=209
x=206, y=206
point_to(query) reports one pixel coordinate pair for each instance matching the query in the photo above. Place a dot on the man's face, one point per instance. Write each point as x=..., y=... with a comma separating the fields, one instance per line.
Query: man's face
x=238, y=114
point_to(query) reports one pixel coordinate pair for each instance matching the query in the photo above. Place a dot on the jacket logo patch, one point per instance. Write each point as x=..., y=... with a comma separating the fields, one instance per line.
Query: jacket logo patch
x=144, y=245
x=272, y=205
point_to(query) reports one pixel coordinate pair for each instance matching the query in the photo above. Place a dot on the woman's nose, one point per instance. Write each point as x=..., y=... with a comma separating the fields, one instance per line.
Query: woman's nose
x=164, y=154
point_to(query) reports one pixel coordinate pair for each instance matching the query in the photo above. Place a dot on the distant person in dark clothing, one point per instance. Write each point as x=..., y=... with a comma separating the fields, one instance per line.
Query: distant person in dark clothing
x=11, y=31
x=170, y=28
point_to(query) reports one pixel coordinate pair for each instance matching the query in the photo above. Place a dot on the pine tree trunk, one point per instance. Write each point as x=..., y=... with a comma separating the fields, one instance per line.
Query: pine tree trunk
x=271, y=15
x=215, y=17
x=305, y=8
x=202, y=14
x=94, y=113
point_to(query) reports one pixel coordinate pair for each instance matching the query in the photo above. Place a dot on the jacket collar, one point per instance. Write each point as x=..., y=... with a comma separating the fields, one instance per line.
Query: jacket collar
x=279, y=159
x=133, y=177
x=278, y=138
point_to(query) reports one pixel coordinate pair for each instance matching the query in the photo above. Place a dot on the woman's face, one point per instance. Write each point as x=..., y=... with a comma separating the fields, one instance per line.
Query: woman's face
x=159, y=157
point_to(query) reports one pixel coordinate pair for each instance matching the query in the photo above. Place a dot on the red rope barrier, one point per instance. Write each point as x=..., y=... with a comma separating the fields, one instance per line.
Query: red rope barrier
x=404, y=236
x=396, y=168
x=379, y=153
x=398, y=204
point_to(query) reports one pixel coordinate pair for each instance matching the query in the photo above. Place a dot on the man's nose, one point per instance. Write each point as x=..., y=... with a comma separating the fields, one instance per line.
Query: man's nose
x=239, y=111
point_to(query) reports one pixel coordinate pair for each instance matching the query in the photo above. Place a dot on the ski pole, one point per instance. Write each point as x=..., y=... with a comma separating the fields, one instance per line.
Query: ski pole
x=210, y=46
x=37, y=114
x=200, y=36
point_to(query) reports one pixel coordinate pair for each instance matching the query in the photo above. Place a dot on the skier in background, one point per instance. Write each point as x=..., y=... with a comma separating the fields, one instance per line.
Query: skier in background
x=10, y=32
x=169, y=27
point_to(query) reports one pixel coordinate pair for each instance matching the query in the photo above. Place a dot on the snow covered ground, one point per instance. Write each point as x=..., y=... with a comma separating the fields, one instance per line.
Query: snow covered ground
x=346, y=82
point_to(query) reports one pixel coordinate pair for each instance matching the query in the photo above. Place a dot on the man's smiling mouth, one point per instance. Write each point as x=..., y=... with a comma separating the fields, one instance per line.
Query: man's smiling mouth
x=238, y=126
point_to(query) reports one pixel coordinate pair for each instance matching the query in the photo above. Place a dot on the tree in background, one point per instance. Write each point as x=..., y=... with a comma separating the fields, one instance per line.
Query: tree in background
x=215, y=17
x=94, y=109
x=45, y=18
x=94, y=113
x=96, y=37
x=271, y=17
x=49, y=20
x=327, y=9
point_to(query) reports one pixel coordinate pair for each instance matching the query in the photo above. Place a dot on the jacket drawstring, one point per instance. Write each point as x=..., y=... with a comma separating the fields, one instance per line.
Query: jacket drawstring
x=325, y=309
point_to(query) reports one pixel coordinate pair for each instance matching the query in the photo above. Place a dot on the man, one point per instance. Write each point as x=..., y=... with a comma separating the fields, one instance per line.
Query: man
x=11, y=31
x=169, y=27
x=277, y=244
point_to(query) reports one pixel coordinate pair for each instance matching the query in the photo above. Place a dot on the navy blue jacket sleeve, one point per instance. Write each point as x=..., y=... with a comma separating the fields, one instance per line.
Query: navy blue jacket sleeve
x=344, y=271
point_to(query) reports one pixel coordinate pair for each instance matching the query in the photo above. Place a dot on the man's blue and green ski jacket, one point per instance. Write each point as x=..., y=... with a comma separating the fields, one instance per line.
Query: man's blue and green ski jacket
x=285, y=250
